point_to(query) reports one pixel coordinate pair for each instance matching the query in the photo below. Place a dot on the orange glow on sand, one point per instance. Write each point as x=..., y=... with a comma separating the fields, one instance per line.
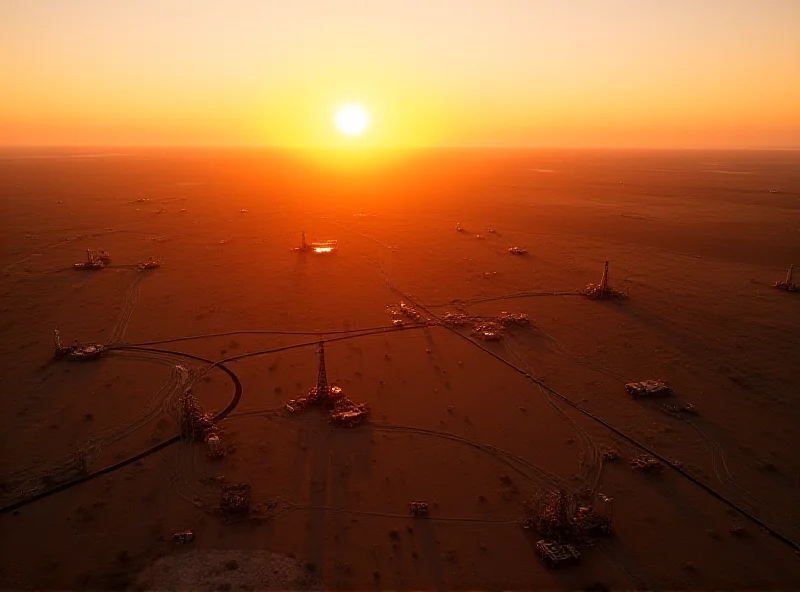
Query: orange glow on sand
x=427, y=187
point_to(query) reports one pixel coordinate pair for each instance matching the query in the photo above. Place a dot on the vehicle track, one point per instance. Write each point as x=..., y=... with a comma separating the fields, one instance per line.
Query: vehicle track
x=39, y=495
x=261, y=332
x=238, y=392
x=716, y=494
x=35, y=495
x=523, y=467
x=719, y=465
x=29, y=480
x=467, y=301
x=87, y=234
x=131, y=297
x=590, y=458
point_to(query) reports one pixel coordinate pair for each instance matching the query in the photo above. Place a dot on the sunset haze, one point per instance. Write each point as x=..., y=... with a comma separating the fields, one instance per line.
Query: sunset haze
x=514, y=73
x=413, y=295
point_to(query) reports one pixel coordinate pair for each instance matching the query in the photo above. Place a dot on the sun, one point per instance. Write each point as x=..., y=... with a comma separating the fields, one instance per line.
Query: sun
x=352, y=120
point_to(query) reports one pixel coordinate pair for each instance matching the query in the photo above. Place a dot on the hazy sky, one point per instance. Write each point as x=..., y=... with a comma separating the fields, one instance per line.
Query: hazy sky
x=647, y=73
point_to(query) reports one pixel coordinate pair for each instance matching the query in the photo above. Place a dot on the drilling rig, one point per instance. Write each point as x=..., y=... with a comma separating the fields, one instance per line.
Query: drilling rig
x=319, y=247
x=786, y=284
x=94, y=260
x=602, y=291
x=342, y=410
x=77, y=352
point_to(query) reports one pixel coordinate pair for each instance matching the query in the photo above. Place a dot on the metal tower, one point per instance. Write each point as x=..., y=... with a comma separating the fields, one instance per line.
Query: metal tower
x=604, y=280
x=322, y=376
x=304, y=246
x=789, y=275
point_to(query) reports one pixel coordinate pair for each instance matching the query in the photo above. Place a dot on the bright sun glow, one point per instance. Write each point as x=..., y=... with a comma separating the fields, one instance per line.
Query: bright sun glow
x=351, y=120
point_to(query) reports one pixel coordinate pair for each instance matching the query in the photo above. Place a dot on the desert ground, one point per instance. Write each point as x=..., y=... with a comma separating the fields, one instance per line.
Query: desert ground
x=475, y=428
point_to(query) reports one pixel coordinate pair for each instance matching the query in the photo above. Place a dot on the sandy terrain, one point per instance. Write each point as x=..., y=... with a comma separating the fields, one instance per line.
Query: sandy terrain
x=694, y=238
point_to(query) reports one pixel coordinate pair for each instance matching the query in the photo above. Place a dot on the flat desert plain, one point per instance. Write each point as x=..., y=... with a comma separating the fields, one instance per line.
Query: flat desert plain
x=476, y=428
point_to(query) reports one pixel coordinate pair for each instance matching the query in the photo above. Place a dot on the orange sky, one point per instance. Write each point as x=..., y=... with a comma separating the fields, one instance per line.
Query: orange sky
x=638, y=73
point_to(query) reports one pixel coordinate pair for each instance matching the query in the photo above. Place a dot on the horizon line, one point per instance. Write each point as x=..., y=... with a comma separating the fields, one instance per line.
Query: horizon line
x=344, y=149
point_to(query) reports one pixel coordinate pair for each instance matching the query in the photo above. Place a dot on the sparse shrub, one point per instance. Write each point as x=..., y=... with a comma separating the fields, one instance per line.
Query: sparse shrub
x=769, y=467
x=738, y=531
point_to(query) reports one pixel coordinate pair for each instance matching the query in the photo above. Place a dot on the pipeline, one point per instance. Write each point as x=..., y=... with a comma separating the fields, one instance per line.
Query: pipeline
x=707, y=488
x=237, y=395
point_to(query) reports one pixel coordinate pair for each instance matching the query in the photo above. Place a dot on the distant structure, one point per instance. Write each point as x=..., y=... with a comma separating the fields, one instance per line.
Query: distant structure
x=518, y=251
x=602, y=291
x=194, y=421
x=328, y=246
x=323, y=390
x=566, y=520
x=149, y=264
x=458, y=227
x=648, y=388
x=647, y=464
x=418, y=509
x=321, y=247
x=404, y=310
x=76, y=352
x=604, y=279
x=342, y=410
x=94, y=260
x=787, y=284
x=303, y=246
x=606, y=506
x=556, y=554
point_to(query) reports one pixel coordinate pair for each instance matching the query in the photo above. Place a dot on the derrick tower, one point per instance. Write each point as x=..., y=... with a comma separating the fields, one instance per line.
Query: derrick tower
x=322, y=376
x=604, y=280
